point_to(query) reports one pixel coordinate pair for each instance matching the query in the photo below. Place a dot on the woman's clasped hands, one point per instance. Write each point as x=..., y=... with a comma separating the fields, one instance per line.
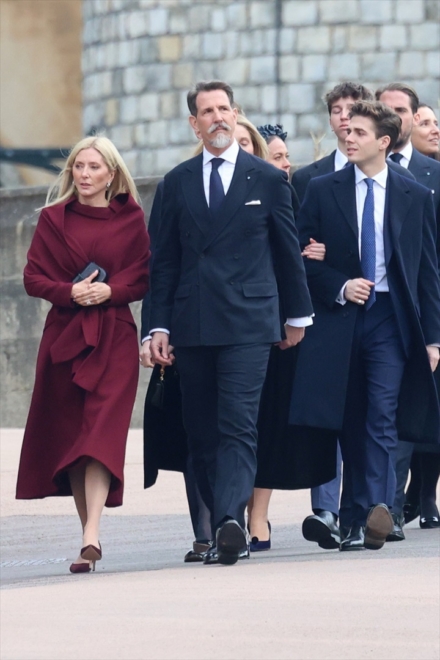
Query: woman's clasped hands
x=87, y=292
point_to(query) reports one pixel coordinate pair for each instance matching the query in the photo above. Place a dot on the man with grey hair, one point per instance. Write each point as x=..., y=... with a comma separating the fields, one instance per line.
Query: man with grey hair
x=226, y=217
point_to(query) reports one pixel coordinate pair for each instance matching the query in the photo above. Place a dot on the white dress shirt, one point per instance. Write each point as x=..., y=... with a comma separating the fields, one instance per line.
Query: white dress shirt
x=406, y=154
x=226, y=172
x=379, y=191
x=340, y=160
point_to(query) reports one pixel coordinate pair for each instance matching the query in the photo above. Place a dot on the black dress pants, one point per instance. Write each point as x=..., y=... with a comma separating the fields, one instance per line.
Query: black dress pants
x=221, y=388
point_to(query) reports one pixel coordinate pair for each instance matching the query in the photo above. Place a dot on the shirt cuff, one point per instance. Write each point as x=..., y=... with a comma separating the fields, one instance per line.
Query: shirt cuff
x=434, y=345
x=301, y=322
x=341, y=299
x=159, y=330
x=144, y=339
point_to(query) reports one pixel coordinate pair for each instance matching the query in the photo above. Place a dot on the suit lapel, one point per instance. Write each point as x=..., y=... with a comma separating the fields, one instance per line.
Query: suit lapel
x=398, y=203
x=345, y=194
x=194, y=193
x=244, y=179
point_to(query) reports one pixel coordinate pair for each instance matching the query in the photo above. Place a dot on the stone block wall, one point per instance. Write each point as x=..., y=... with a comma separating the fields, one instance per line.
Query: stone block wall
x=141, y=56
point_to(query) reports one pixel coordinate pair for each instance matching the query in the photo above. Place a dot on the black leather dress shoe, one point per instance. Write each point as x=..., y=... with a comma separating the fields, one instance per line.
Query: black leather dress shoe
x=230, y=541
x=197, y=553
x=355, y=539
x=378, y=527
x=397, y=532
x=322, y=529
x=211, y=557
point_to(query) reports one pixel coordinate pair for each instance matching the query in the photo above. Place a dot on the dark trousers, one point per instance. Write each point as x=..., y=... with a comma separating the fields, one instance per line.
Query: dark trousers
x=403, y=461
x=326, y=497
x=221, y=388
x=369, y=438
x=199, y=512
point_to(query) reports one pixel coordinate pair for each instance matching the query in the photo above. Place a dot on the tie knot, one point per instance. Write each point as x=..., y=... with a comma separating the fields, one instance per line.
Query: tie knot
x=216, y=162
x=396, y=158
x=369, y=183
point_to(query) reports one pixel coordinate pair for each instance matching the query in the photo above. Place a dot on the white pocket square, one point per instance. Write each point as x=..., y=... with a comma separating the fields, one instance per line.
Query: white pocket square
x=254, y=202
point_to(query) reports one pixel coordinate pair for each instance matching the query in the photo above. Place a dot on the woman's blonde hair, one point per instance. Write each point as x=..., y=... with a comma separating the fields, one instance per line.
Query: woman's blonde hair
x=260, y=147
x=63, y=188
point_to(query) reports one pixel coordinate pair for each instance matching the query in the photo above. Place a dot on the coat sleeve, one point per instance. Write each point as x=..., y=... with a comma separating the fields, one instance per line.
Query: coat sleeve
x=429, y=281
x=165, y=272
x=325, y=282
x=153, y=229
x=294, y=295
x=131, y=283
x=40, y=262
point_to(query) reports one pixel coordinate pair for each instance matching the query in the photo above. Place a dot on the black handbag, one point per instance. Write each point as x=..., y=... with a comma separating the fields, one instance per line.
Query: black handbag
x=88, y=270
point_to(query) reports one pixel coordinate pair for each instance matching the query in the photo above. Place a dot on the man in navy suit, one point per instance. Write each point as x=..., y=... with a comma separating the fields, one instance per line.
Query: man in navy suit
x=227, y=217
x=404, y=100
x=369, y=354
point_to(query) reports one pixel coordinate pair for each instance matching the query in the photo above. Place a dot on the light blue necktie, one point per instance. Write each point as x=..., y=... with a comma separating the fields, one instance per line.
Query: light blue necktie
x=216, y=190
x=368, y=242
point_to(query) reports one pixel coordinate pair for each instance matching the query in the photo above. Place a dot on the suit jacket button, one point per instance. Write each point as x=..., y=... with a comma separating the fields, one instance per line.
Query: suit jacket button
x=202, y=256
x=345, y=314
x=235, y=256
x=231, y=282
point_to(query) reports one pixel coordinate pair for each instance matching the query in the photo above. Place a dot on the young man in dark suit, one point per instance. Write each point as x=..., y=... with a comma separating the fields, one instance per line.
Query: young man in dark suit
x=322, y=527
x=339, y=102
x=404, y=101
x=226, y=218
x=377, y=326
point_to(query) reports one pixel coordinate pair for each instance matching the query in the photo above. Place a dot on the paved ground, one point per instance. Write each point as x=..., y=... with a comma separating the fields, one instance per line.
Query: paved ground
x=295, y=602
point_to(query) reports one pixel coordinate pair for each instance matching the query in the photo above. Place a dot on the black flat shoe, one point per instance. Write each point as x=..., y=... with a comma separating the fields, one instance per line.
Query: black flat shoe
x=322, y=529
x=211, y=557
x=397, y=532
x=410, y=512
x=355, y=539
x=378, y=527
x=431, y=522
x=198, y=552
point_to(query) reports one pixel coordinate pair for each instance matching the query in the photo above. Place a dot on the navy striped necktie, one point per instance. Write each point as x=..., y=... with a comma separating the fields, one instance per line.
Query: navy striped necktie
x=368, y=241
x=396, y=158
x=216, y=190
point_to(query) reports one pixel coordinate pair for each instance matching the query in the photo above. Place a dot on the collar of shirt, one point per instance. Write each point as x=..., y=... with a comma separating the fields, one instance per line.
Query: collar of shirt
x=380, y=177
x=340, y=160
x=406, y=152
x=229, y=155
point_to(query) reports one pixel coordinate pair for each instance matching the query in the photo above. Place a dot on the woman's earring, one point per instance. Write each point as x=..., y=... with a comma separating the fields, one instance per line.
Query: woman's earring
x=109, y=183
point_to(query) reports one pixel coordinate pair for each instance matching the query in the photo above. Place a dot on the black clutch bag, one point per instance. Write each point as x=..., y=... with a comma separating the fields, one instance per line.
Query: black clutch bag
x=88, y=270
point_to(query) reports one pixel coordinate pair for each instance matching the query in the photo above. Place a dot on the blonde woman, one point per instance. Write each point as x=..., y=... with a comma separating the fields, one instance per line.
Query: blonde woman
x=89, y=258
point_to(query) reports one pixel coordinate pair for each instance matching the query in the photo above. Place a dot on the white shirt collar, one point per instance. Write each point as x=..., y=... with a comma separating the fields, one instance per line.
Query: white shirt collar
x=340, y=160
x=230, y=154
x=407, y=151
x=380, y=177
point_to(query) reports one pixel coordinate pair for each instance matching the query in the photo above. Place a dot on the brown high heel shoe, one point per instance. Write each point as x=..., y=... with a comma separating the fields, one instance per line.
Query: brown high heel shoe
x=80, y=568
x=92, y=553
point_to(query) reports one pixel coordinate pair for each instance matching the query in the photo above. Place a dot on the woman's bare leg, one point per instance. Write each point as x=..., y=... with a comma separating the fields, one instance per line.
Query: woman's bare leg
x=77, y=483
x=97, y=486
x=259, y=514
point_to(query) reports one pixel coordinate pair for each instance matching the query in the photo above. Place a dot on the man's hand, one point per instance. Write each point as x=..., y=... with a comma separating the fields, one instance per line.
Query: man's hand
x=314, y=250
x=145, y=354
x=358, y=290
x=161, y=351
x=293, y=337
x=433, y=355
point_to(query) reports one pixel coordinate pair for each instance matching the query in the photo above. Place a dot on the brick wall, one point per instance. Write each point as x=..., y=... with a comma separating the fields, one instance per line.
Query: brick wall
x=141, y=56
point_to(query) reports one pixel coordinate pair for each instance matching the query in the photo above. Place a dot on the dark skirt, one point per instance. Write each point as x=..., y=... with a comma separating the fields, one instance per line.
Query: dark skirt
x=289, y=457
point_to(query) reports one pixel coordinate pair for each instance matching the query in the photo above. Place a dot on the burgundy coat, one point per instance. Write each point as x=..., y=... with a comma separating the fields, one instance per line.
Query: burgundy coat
x=88, y=365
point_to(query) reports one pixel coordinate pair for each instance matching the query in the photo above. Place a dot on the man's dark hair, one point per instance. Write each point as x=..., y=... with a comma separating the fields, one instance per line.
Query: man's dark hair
x=346, y=89
x=401, y=87
x=425, y=105
x=386, y=121
x=207, y=87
